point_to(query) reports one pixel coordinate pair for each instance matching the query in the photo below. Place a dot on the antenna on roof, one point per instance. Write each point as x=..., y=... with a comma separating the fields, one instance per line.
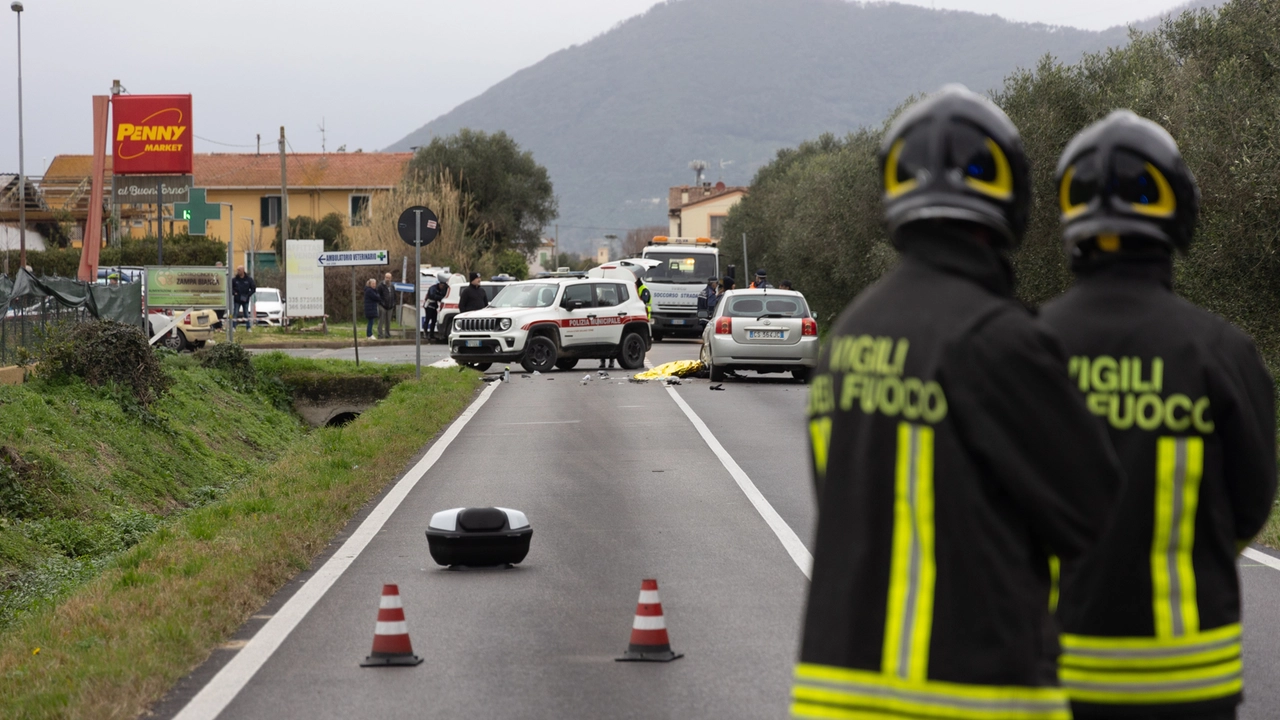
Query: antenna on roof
x=697, y=166
x=321, y=126
x=723, y=162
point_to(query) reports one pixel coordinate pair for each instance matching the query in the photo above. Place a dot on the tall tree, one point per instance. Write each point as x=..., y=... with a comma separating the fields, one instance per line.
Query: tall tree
x=512, y=193
x=638, y=238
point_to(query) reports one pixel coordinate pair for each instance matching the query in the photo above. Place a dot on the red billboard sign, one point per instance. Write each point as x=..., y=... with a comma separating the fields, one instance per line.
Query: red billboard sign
x=151, y=134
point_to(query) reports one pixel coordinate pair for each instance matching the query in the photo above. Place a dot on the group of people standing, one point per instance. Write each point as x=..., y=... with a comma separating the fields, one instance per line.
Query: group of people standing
x=1028, y=516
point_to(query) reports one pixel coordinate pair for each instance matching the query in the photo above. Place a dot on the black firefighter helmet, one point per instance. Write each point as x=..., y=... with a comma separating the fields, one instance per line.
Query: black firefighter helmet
x=1122, y=180
x=956, y=156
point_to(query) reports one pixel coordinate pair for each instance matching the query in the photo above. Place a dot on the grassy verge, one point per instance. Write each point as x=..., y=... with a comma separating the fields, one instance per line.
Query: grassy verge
x=1270, y=535
x=116, y=644
x=337, y=332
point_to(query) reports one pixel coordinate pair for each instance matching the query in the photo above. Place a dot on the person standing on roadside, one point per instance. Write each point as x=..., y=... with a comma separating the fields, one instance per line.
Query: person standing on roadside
x=472, y=296
x=951, y=454
x=372, y=301
x=762, y=281
x=1151, y=619
x=726, y=284
x=431, y=305
x=386, y=304
x=242, y=289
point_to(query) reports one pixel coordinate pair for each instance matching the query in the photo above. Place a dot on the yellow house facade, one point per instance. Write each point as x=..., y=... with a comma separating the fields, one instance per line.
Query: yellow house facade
x=349, y=184
x=700, y=211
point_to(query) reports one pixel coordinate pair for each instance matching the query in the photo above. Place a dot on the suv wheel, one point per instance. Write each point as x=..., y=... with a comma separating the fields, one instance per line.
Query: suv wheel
x=539, y=355
x=174, y=341
x=631, y=354
x=567, y=363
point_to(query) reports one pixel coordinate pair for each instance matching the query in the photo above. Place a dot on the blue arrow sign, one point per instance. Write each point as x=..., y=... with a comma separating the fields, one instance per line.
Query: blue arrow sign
x=346, y=258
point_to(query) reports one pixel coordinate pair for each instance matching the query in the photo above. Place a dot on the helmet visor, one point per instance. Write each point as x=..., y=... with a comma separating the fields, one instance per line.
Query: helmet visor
x=981, y=162
x=1141, y=186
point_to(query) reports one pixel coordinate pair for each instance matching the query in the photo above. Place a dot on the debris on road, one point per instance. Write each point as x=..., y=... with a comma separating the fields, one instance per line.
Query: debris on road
x=718, y=387
x=479, y=537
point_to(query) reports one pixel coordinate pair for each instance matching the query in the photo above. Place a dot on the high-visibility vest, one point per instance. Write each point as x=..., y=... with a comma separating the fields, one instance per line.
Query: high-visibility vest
x=642, y=291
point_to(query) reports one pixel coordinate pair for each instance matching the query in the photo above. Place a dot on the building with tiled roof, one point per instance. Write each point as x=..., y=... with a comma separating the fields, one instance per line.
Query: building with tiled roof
x=319, y=184
x=700, y=210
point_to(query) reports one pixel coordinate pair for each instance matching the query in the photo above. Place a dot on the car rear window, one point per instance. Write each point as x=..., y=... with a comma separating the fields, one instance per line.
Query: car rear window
x=764, y=306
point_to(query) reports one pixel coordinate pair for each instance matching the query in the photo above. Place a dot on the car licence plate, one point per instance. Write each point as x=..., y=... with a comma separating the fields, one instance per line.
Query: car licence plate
x=202, y=321
x=473, y=343
x=764, y=335
x=677, y=322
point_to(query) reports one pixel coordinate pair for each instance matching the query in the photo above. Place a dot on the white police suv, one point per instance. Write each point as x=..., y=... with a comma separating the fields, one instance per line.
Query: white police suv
x=556, y=322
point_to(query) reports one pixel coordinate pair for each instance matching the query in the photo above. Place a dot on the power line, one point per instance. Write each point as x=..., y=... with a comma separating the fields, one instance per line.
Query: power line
x=217, y=142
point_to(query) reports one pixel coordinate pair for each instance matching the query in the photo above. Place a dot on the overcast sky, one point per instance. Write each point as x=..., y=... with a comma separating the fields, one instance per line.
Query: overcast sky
x=371, y=70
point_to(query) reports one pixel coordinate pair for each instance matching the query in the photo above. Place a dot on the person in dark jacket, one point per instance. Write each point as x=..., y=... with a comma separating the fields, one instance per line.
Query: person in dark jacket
x=472, y=296
x=386, y=303
x=1151, y=620
x=372, y=301
x=950, y=452
x=431, y=305
x=242, y=289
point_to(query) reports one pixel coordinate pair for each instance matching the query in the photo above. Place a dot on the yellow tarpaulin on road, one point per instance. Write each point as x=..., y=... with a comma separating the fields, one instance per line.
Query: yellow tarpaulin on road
x=679, y=368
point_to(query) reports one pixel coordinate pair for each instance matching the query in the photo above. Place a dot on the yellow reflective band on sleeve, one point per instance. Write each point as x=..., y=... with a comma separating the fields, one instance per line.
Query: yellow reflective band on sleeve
x=1055, y=575
x=909, y=616
x=1152, y=671
x=820, y=437
x=1179, y=465
x=823, y=691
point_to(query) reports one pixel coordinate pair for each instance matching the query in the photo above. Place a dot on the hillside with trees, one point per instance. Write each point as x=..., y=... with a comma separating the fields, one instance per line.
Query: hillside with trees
x=814, y=213
x=616, y=120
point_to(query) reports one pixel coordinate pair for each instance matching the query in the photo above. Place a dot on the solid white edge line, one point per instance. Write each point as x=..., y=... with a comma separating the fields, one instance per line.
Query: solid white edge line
x=790, y=541
x=218, y=693
x=1261, y=557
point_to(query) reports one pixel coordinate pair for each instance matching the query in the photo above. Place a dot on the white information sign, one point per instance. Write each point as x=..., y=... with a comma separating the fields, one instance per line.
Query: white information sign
x=305, y=279
x=348, y=258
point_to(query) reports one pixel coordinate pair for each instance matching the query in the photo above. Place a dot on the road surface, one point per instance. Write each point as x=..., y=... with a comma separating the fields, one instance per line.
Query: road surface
x=619, y=486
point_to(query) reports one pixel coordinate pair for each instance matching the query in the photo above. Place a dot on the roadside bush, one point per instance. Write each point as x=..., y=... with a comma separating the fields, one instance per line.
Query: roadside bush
x=233, y=360
x=104, y=353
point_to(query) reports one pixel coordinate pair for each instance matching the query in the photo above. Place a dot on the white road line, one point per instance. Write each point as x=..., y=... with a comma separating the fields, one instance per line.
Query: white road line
x=545, y=422
x=231, y=679
x=790, y=541
x=1262, y=557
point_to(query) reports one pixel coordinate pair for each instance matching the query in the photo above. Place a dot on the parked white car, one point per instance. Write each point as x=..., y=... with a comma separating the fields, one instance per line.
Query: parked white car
x=268, y=307
x=764, y=331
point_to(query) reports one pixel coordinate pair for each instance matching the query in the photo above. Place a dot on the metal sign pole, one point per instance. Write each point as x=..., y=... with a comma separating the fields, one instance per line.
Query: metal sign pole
x=417, y=289
x=354, y=342
x=746, y=266
x=231, y=219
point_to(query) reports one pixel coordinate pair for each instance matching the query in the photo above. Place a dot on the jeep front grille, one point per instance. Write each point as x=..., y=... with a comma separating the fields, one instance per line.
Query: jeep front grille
x=477, y=324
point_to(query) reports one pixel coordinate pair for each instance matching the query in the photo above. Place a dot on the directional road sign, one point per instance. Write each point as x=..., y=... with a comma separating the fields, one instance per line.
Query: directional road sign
x=197, y=211
x=349, y=258
x=413, y=234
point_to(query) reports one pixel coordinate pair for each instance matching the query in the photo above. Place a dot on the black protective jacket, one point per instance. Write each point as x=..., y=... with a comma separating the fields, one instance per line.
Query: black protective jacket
x=471, y=298
x=953, y=458
x=242, y=288
x=1151, y=620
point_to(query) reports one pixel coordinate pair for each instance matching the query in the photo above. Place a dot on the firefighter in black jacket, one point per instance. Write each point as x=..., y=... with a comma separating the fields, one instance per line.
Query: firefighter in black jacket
x=1151, y=620
x=952, y=455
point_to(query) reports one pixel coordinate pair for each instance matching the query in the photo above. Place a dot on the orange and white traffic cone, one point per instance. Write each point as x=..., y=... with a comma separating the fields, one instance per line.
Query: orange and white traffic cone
x=649, y=641
x=391, y=636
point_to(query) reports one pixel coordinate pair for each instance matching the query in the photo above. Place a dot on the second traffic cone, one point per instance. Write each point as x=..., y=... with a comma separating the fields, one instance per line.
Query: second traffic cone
x=391, y=636
x=649, y=641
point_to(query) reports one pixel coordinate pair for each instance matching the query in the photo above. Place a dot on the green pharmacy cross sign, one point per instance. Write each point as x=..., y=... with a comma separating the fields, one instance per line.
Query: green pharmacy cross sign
x=197, y=211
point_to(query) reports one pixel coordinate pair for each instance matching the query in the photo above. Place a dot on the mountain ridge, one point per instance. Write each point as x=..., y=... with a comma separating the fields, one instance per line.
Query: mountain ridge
x=617, y=119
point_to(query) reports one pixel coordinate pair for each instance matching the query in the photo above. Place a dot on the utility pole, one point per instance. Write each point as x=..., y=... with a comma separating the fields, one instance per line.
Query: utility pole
x=284, y=218
x=22, y=172
x=555, y=250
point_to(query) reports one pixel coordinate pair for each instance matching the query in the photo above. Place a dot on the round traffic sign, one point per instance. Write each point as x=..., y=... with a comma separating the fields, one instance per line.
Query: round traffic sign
x=418, y=226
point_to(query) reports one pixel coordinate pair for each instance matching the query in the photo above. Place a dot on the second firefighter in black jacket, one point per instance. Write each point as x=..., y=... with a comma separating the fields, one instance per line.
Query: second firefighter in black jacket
x=1152, y=618
x=952, y=455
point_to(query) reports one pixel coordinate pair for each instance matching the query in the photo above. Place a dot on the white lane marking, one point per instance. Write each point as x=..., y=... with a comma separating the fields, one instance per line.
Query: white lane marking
x=545, y=422
x=231, y=679
x=1262, y=557
x=444, y=364
x=790, y=541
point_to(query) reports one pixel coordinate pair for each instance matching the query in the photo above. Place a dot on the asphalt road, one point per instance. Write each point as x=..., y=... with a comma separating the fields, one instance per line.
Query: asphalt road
x=618, y=486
